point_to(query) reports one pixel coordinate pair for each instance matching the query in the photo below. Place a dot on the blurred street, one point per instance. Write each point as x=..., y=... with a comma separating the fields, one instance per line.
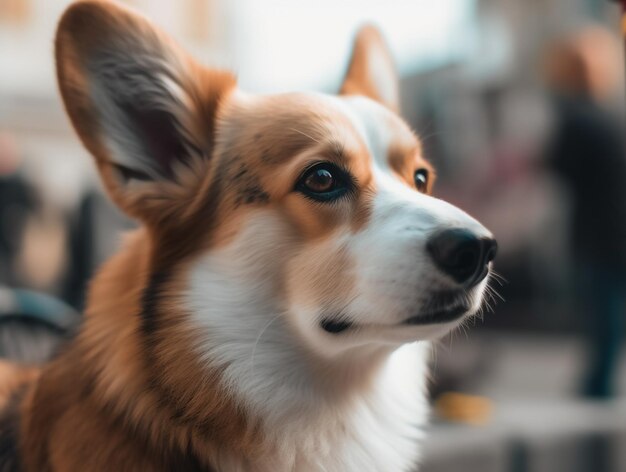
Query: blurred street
x=536, y=424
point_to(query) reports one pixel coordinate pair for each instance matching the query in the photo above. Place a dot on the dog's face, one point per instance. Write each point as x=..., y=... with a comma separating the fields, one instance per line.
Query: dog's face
x=306, y=211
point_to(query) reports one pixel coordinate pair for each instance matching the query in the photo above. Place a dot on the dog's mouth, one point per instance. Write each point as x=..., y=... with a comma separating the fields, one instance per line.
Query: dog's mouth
x=442, y=307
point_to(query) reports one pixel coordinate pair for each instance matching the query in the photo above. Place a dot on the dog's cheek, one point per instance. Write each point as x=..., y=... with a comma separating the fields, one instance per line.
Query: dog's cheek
x=313, y=221
x=321, y=278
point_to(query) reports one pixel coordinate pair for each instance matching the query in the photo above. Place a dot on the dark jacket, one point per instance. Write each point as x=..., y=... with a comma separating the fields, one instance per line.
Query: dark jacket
x=588, y=154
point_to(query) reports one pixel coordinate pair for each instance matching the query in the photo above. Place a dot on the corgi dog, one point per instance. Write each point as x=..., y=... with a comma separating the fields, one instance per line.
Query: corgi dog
x=273, y=312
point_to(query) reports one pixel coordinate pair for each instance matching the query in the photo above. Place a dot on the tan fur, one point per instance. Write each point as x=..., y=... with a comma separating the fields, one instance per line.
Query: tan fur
x=13, y=378
x=306, y=132
x=371, y=52
x=98, y=397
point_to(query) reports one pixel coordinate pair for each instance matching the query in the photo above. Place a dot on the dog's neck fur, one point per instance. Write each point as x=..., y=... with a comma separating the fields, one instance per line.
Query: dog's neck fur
x=291, y=418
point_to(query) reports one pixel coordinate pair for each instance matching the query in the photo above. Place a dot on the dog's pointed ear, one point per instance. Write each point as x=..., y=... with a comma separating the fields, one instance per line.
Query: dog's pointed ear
x=141, y=106
x=372, y=71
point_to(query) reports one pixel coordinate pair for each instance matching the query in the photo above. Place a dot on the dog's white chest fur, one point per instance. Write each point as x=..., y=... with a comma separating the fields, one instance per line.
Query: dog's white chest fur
x=379, y=431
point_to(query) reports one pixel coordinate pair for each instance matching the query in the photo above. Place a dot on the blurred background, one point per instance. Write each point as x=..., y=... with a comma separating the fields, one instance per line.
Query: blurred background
x=520, y=105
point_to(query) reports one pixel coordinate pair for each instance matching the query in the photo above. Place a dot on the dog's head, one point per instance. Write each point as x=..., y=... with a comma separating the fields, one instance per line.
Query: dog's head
x=306, y=211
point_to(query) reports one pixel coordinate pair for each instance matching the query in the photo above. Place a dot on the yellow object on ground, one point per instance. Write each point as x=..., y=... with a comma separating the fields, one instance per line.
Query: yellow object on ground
x=464, y=408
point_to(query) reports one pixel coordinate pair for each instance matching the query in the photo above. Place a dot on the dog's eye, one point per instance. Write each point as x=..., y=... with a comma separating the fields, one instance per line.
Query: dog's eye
x=421, y=179
x=320, y=181
x=324, y=182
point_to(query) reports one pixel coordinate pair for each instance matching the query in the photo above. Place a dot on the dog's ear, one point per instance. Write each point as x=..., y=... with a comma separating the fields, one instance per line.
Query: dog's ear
x=141, y=106
x=372, y=71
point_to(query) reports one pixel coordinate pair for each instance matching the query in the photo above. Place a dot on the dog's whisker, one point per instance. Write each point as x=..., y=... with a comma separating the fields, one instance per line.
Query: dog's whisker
x=498, y=278
x=493, y=293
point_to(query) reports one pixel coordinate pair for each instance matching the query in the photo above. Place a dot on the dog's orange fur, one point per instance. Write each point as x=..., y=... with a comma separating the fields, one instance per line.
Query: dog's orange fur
x=97, y=399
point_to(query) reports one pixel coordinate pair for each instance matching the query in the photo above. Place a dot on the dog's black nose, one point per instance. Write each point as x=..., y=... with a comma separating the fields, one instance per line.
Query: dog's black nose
x=462, y=254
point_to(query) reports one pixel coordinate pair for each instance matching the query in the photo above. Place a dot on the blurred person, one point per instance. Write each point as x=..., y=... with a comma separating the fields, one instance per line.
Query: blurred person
x=32, y=229
x=32, y=324
x=17, y=201
x=587, y=154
